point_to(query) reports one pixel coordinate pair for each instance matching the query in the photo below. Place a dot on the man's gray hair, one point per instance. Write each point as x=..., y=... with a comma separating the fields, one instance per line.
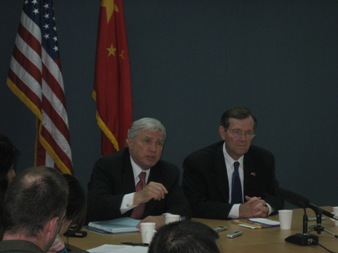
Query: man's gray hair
x=150, y=124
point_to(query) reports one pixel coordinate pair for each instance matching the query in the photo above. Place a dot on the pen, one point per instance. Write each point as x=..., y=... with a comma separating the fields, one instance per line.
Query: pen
x=135, y=244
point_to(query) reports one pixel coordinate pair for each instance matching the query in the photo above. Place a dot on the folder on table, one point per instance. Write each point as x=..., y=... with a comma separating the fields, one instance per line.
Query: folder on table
x=120, y=225
x=255, y=223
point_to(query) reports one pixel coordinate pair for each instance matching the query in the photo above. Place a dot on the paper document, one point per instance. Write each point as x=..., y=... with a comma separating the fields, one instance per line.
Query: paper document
x=265, y=221
x=120, y=225
x=255, y=223
x=109, y=248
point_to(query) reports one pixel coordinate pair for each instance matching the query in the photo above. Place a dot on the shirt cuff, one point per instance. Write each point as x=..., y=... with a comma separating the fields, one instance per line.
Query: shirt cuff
x=127, y=202
x=234, y=212
x=270, y=209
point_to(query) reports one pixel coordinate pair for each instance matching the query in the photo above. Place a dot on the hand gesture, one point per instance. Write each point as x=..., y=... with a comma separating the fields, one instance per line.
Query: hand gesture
x=253, y=207
x=152, y=190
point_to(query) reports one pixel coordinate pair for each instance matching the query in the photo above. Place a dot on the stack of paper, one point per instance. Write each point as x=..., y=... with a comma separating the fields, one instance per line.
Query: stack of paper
x=108, y=248
x=255, y=223
x=120, y=225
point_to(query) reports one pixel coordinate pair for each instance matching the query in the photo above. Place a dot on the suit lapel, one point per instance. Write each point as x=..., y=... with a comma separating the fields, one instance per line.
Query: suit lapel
x=250, y=168
x=127, y=175
x=220, y=174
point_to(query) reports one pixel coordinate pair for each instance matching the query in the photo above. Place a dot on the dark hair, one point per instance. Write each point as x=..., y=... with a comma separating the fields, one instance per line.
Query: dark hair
x=34, y=197
x=237, y=112
x=185, y=237
x=77, y=205
x=8, y=157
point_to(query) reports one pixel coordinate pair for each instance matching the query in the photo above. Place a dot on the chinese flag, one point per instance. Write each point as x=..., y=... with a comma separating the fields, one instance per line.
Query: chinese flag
x=112, y=89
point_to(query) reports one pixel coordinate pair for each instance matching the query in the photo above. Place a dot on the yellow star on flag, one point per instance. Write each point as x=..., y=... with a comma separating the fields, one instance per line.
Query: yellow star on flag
x=110, y=8
x=111, y=50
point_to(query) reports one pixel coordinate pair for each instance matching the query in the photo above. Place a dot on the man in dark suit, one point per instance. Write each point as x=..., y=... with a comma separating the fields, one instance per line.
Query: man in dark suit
x=112, y=190
x=208, y=173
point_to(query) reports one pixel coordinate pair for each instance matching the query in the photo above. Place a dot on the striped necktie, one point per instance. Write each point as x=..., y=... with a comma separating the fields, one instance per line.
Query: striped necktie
x=138, y=210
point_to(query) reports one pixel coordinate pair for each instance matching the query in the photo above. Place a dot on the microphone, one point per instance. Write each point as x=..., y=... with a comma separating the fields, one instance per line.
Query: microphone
x=303, y=202
x=305, y=238
x=317, y=209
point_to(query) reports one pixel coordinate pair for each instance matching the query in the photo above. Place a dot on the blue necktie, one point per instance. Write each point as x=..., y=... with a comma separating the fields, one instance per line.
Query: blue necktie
x=236, y=193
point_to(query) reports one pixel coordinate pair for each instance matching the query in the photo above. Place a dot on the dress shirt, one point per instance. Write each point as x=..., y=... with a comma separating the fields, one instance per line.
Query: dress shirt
x=128, y=199
x=229, y=162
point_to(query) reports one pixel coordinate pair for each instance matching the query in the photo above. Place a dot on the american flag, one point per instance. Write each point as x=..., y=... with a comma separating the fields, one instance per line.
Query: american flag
x=35, y=77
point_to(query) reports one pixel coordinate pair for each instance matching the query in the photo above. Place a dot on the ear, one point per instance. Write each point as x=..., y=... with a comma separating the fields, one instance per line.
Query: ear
x=51, y=226
x=222, y=131
x=129, y=142
x=48, y=233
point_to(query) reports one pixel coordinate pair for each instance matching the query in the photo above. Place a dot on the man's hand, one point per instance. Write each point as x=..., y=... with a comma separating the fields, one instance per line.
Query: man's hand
x=153, y=190
x=159, y=220
x=254, y=207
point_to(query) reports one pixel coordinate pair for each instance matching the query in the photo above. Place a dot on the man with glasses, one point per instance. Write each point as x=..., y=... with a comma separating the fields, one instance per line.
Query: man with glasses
x=232, y=178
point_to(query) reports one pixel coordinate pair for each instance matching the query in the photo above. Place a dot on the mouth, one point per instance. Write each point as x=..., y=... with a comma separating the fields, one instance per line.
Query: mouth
x=243, y=147
x=151, y=158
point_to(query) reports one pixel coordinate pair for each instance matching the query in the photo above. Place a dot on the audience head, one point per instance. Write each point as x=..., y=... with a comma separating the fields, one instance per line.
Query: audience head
x=237, y=129
x=145, y=141
x=35, y=205
x=76, y=208
x=185, y=237
x=8, y=157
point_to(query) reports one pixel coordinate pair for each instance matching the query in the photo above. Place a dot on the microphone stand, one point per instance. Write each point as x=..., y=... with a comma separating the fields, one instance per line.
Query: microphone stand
x=305, y=222
x=319, y=228
x=304, y=238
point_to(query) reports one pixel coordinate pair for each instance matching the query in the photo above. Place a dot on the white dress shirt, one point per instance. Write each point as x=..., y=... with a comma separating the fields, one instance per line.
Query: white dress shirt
x=128, y=199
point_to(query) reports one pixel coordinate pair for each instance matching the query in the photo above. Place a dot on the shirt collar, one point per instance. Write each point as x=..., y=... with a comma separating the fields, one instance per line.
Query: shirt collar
x=227, y=157
x=137, y=170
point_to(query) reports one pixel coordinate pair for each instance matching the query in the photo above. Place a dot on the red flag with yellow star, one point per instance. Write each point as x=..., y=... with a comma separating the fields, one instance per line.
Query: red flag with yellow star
x=112, y=89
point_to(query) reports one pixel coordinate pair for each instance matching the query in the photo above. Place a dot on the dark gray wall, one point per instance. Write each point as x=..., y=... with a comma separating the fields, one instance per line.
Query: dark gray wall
x=192, y=59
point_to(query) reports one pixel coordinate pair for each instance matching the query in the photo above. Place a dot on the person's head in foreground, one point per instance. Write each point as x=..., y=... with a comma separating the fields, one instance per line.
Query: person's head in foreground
x=34, y=207
x=8, y=157
x=76, y=208
x=185, y=237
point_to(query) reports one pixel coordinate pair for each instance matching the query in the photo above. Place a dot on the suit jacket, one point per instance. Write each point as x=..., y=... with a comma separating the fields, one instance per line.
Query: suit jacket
x=112, y=178
x=205, y=180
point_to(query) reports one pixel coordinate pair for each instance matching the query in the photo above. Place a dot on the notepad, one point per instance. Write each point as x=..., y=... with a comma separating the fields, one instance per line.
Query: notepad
x=265, y=222
x=255, y=223
x=109, y=248
x=247, y=224
x=120, y=225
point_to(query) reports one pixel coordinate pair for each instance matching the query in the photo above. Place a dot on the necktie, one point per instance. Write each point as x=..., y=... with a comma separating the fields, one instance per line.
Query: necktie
x=236, y=192
x=138, y=210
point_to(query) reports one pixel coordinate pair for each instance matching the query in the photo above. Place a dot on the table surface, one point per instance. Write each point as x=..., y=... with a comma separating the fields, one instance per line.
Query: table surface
x=252, y=240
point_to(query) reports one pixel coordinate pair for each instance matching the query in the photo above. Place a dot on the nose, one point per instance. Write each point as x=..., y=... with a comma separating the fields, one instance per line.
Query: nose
x=153, y=147
x=243, y=137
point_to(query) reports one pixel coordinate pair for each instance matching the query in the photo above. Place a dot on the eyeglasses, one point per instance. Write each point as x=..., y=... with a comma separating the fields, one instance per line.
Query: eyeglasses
x=238, y=133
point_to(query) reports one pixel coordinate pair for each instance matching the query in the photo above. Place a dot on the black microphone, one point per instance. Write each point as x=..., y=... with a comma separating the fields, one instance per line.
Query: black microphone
x=305, y=238
x=317, y=209
x=303, y=202
x=293, y=198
